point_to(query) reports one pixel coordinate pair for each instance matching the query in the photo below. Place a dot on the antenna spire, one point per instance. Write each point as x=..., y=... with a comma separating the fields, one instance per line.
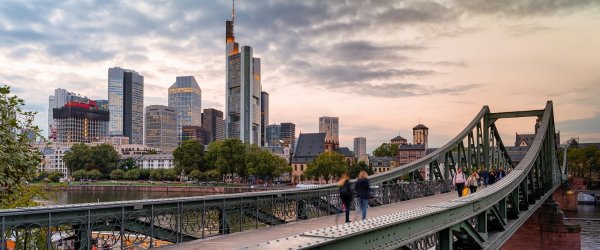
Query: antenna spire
x=233, y=11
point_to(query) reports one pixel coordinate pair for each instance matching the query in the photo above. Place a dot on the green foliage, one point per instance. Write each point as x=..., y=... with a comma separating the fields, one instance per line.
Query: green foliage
x=213, y=174
x=132, y=174
x=18, y=160
x=583, y=161
x=54, y=176
x=117, y=174
x=228, y=156
x=24, y=196
x=102, y=157
x=150, y=152
x=126, y=164
x=170, y=175
x=189, y=156
x=355, y=169
x=264, y=164
x=94, y=174
x=156, y=174
x=196, y=175
x=326, y=166
x=386, y=149
x=144, y=174
x=80, y=174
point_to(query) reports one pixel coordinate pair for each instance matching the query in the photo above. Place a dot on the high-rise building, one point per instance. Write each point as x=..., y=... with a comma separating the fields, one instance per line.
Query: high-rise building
x=360, y=146
x=161, y=127
x=264, y=115
x=58, y=100
x=212, y=121
x=288, y=135
x=126, y=104
x=330, y=126
x=194, y=133
x=78, y=122
x=420, y=135
x=273, y=135
x=185, y=96
x=243, y=90
x=102, y=104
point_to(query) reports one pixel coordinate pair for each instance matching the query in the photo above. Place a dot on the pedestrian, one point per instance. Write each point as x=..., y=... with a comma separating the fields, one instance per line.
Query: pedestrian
x=500, y=174
x=492, y=177
x=346, y=195
x=363, y=191
x=459, y=181
x=472, y=182
x=485, y=176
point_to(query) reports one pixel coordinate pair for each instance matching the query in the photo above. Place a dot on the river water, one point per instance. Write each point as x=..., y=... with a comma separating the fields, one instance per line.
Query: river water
x=590, y=229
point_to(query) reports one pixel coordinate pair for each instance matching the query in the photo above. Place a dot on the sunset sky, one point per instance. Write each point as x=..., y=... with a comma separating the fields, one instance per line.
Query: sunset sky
x=380, y=66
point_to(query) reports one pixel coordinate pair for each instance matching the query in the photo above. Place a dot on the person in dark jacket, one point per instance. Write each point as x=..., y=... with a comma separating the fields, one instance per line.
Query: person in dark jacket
x=346, y=195
x=363, y=191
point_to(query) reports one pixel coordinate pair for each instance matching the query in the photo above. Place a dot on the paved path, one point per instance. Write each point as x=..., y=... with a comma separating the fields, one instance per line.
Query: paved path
x=252, y=237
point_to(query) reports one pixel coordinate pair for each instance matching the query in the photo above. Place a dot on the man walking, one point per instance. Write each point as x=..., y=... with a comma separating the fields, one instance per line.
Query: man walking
x=459, y=181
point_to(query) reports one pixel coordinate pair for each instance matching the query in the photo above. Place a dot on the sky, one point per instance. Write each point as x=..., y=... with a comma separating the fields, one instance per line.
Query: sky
x=380, y=66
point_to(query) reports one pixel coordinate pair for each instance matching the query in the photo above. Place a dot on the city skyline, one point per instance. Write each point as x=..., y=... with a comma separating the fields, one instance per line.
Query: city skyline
x=441, y=61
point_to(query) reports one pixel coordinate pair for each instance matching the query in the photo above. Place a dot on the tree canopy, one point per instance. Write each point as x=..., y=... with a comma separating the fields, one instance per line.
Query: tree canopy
x=189, y=157
x=386, y=149
x=17, y=157
x=355, y=169
x=264, y=164
x=228, y=156
x=582, y=161
x=327, y=166
x=103, y=158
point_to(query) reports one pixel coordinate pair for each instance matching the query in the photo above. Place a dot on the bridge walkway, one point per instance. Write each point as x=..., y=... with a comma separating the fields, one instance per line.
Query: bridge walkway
x=252, y=237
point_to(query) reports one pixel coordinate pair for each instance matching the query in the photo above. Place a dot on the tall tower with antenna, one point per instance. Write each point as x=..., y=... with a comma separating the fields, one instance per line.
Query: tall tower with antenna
x=242, y=89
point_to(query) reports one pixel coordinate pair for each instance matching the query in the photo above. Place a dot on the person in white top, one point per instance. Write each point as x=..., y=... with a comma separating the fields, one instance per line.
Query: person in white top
x=472, y=182
x=459, y=180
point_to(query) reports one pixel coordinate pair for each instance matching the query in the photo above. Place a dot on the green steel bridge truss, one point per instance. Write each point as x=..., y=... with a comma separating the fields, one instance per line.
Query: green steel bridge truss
x=483, y=220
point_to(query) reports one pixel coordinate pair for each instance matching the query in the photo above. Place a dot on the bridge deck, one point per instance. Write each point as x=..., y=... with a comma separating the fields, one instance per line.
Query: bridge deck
x=252, y=237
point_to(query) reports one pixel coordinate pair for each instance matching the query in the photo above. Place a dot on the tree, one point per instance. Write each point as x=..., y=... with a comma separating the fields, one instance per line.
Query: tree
x=117, y=174
x=132, y=174
x=196, y=175
x=228, y=156
x=78, y=157
x=18, y=159
x=354, y=170
x=105, y=158
x=94, y=174
x=80, y=174
x=54, y=176
x=170, y=174
x=327, y=165
x=156, y=174
x=189, y=156
x=212, y=174
x=144, y=174
x=386, y=149
x=264, y=164
x=127, y=163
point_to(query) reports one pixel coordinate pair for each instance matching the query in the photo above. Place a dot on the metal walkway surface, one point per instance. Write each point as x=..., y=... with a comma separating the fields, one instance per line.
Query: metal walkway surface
x=252, y=237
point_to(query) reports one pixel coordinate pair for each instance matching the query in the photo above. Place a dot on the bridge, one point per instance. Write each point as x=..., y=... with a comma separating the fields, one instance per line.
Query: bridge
x=484, y=220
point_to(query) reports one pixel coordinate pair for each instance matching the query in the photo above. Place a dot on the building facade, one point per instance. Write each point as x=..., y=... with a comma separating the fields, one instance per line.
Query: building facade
x=126, y=104
x=330, y=126
x=360, y=146
x=264, y=116
x=310, y=145
x=185, y=96
x=273, y=135
x=243, y=90
x=197, y=133
x=398, y=140
x=77, y=122
x=161, y=128
x=154, y=161
x=420, y=135
x=288, y=135
x=58, y=100
x=213, y=123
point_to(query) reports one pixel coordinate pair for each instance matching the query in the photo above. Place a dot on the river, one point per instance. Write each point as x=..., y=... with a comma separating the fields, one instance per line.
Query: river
x=590, y=229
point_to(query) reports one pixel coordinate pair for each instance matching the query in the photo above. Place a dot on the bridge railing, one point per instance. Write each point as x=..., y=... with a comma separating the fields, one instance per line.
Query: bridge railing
x=485, y=219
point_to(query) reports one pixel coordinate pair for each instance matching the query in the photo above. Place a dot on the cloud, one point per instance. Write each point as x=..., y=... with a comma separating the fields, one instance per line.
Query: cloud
x=396, y=90
x=521, y=8
x=526, y=29
x=587, y=125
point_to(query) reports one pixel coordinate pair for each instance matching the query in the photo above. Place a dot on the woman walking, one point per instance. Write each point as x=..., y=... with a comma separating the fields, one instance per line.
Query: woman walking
x=345, y=194
x=458, y=181
x=363, y=191
x=472, y=182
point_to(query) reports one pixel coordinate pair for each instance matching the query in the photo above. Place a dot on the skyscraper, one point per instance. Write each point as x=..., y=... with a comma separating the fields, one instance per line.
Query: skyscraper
x=264, y=115
x=273, y=135
x=161, y=127
x=126, y=104
x=77, y=122
x=185, y=96
x=58, y=100
x=212, y=121
x=360, y=146
x=288, y=135
x=243, y=90
x=330, y=126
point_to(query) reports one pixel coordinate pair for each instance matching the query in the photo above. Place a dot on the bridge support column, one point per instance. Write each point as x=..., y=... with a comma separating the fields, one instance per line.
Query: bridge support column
x=545, y=229
x=566, y=198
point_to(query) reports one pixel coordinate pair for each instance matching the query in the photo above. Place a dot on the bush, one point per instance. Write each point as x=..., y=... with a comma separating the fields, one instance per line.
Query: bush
x=132, y=174
x=80, y=174
x=94, y=174
x=54, y=176
x=156, y=174
x=117, y=174
x=144, y=174
x=196, y=175
x=170, y=175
